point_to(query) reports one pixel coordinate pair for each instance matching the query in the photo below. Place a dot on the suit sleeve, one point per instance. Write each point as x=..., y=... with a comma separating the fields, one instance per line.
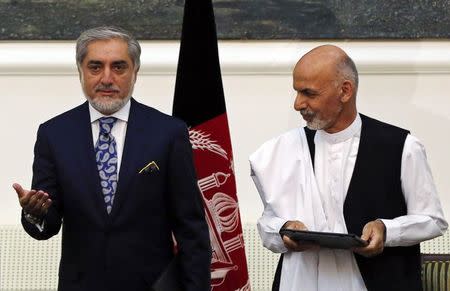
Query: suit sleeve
x=189, y=224
x=45, y=178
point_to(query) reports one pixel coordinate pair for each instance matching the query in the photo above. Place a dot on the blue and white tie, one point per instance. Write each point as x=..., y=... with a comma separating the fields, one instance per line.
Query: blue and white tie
x=106, y=157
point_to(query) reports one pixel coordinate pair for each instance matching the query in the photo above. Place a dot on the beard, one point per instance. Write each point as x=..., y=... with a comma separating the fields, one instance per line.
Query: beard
x=314, y=122
x=108, y=105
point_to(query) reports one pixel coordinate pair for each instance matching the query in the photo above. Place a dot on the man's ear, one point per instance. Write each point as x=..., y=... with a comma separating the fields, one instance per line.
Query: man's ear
x=347, y=88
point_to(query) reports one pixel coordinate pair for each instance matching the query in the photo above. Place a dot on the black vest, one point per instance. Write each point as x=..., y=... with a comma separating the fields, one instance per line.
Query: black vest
x=375, y=192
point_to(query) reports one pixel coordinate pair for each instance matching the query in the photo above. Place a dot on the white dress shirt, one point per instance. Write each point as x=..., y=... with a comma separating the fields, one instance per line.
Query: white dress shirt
x=118, y=131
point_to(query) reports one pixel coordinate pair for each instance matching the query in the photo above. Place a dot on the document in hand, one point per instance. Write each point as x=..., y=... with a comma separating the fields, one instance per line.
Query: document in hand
x=325, y=239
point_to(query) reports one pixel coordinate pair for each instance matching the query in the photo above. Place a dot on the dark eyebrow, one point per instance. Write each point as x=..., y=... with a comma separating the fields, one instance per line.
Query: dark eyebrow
x=94, y=62
x=119, y=63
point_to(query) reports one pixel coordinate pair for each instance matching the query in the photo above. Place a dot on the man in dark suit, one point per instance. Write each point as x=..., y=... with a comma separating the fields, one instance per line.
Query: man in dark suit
x=118, y=176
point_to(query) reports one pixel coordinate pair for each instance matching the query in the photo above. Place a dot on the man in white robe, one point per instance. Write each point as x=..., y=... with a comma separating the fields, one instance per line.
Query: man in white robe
x=306, y=187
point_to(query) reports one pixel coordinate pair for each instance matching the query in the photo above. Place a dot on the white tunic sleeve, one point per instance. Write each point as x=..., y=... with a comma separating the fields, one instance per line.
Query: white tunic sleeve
x=269, y=224
x=425, y=218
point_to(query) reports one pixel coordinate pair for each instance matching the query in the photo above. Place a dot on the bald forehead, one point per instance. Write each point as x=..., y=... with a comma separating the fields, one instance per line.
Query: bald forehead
x=324, y=55
x=327, y=52
x=321, y=60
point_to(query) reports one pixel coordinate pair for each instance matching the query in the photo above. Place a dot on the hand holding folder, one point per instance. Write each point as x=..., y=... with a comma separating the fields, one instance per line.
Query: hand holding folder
x=325, y=239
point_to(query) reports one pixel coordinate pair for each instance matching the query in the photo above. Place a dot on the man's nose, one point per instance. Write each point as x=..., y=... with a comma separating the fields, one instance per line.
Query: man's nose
x=300, y=102
x=107, y=77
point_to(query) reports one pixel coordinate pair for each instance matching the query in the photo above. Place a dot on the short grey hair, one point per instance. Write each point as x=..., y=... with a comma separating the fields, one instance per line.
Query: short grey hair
x=347, y=69
x=105, y=33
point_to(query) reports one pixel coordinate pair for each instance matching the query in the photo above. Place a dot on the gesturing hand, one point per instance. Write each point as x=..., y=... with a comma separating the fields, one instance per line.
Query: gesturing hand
x=293, y=245
x=374, y=233
x=33, y=202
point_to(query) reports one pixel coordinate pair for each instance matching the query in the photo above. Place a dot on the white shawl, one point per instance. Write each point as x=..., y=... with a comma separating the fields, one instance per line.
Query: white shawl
x=283, y=173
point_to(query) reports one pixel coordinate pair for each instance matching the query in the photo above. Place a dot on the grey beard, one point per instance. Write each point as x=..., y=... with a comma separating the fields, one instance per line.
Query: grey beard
x=108, y=108
x=316, y=124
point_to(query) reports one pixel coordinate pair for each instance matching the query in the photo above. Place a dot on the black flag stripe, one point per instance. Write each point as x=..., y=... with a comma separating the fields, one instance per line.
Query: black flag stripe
x=198, y=91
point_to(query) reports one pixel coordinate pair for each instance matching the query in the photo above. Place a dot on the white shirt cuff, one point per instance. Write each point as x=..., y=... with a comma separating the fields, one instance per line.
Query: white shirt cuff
x=392, y=231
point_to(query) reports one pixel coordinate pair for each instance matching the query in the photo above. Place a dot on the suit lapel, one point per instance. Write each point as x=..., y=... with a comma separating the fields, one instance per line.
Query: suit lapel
x=130, y=157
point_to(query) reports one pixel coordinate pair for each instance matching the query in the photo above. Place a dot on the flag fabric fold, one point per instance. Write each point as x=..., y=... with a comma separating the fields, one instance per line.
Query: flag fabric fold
x=199, y=101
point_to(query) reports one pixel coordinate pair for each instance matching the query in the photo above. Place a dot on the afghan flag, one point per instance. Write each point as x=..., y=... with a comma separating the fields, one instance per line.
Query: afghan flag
x=199, y=101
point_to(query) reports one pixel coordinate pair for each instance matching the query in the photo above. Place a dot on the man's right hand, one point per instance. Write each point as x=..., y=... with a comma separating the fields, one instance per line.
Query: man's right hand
x=293, y=245
x=33, y=202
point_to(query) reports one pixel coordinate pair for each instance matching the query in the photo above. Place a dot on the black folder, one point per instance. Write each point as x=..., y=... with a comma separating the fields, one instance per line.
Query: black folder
x=325, y=239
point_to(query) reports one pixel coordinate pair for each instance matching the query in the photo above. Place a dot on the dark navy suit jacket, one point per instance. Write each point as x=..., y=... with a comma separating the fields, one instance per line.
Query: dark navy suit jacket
x=130, y=248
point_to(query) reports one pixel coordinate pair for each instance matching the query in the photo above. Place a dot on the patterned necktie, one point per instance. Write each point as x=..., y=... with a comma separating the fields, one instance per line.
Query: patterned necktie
x=106, y=157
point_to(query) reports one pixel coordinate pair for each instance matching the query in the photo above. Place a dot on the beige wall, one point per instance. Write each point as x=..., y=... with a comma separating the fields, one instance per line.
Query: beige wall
x=405, y=83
